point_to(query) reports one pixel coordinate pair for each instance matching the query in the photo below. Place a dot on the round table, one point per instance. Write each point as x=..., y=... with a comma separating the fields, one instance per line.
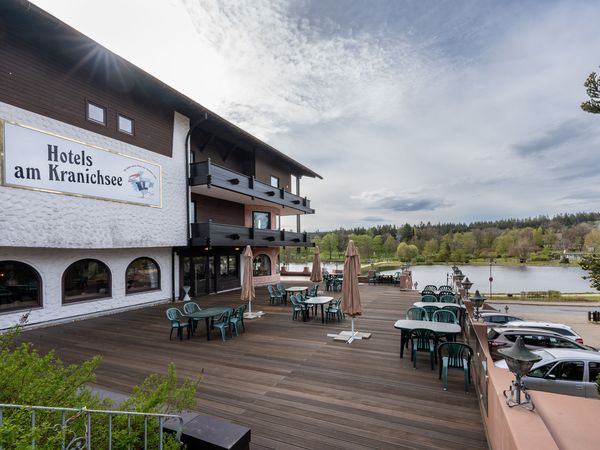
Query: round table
x=206, y=314
x=406, y=326
x=319, y=301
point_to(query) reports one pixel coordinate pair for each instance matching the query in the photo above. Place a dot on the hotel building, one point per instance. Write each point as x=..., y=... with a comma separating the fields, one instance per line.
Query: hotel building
x=116, y=191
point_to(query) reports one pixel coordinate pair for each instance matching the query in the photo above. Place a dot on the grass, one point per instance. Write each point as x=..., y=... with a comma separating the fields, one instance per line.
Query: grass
x=563, y=298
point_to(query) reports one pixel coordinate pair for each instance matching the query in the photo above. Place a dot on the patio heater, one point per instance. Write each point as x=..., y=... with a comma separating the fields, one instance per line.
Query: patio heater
x=477, y=300
x=519, y=360
x=467, y=285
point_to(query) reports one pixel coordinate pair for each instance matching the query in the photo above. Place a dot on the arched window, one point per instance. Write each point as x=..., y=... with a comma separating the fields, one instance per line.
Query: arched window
x=86, y=279
x=143, y=274
x=261, y=266
x=20, y=286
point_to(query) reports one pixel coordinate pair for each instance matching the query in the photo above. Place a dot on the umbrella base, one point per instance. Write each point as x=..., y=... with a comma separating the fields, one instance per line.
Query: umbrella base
x=253, y=315
x=348, y=336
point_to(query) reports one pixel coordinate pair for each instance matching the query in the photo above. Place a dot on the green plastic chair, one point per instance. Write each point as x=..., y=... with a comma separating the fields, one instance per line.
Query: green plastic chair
x=237, y=318
x=334, y=310
x=298, y=307
x=445, y=287
x=178, y=322
x=416, y=313
x=274, y=295
x=455, y=355
x=313, y=292
x=429, y=298
x=444, y=315
x=223, y=324
x=430, y=287
x=456, y=310
x=430, y=309
x=422, y=340
x=448, y=298
x=428, y=292
x=191, y=308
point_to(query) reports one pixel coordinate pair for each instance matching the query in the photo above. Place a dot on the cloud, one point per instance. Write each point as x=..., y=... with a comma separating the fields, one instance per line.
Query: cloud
x=373, y=219
x=412, y=111
x=551, y=139
x=383, y=199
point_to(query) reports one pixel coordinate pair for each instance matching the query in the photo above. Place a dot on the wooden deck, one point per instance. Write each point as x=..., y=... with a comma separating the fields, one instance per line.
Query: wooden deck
x=286, y=380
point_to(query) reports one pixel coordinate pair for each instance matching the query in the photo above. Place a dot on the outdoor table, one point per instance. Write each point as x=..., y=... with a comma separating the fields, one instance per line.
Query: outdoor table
x=438, y=305
x=406, y=326
x=294, y=289
x=319, y=301
x=206, y=314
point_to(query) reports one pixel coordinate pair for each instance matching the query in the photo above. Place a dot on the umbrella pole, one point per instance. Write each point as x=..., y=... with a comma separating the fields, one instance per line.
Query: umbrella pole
x=354, y=335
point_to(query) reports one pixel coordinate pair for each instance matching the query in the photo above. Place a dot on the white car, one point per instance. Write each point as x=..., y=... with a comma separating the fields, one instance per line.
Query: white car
x=496, y=318
x=556, y=327
x=563, y=371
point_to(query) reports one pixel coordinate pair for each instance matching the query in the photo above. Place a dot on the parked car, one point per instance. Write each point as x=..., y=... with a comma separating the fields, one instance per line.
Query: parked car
x=533, y=338
x=556, y=327
x=498, y=318
x=564, y=371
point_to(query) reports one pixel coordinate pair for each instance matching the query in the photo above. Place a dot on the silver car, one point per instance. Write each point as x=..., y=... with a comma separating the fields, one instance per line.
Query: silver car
x=498, y=318
x=533, y=338
x=564, y=371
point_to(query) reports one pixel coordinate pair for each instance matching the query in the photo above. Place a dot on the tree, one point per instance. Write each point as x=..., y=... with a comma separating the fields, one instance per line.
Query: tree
x=406, y=252
x=592, y=88
x=591, y=264
x=430, y=248
x=329, y=243
x=591, y=241
x=389, y=246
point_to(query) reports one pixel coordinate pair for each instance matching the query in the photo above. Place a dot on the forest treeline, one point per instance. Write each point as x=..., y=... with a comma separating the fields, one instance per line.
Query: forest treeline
x=539, y=238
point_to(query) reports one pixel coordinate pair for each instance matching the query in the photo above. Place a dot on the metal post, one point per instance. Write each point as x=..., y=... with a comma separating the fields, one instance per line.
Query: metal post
x=88, y=438
x=160, y=433
x=110, y=432
x=33, y=428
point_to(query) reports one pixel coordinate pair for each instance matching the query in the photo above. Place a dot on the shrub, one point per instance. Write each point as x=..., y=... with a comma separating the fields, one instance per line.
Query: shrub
x=30, y=378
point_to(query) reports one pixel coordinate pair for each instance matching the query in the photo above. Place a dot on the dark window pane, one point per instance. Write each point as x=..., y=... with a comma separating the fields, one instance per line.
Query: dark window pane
x=85, y=280
x=261, y=220
x=568, y=371
x=541, y=371
x=20, y=286
x=594, y=371
x=262, y=266
x=143, y=274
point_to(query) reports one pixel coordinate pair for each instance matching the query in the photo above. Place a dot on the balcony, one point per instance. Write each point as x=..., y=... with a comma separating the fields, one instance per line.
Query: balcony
x=223, y=235
x=212, y=180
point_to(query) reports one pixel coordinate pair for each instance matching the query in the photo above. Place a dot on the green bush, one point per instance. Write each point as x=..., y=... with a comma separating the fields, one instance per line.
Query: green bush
x=30, y=378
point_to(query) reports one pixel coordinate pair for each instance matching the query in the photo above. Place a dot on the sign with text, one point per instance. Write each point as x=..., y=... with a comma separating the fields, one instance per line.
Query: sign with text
x=38, y=160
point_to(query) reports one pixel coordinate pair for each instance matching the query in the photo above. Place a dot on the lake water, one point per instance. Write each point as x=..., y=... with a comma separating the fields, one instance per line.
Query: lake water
x=506, y=278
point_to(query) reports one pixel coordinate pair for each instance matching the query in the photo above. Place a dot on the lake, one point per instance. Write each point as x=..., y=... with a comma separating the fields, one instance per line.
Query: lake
x=506, y=278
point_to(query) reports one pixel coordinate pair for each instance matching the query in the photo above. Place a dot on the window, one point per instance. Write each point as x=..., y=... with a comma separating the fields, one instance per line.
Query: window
x=261, y=220
x=274, y=181
x=228, y=266
x=541, y=371
x=594, y=371
x=554, y=342
x=568, y=371
x=261, y=266
x=20, y=286
x=96, y=113
x=143, y=274
x=124, y=124
x=86, y=279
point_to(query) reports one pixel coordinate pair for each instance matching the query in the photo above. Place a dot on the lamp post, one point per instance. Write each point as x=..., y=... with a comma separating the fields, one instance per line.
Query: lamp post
x=477, y=300
x=467, y=285
x=491, y=279
x=519, y=360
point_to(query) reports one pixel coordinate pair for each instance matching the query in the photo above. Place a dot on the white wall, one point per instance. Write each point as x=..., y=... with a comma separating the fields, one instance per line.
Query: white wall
x=51, y=264
x=39, y=219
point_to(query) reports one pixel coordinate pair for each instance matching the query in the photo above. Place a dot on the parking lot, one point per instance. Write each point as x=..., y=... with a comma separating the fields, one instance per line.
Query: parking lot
x=573, y=315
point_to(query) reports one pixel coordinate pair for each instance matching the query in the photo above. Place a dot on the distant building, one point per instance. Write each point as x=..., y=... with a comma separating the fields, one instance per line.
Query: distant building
x=117, y=190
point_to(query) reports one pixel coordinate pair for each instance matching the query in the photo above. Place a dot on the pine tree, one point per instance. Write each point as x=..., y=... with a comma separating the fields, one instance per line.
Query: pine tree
x=592, y=88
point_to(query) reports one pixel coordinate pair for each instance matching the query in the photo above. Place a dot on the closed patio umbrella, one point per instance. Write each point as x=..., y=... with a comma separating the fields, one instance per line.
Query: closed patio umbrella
x=316, y=276
x=248, y=293
x=350, y=293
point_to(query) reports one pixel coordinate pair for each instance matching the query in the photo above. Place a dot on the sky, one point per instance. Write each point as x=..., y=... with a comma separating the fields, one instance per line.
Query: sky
x=412, y=111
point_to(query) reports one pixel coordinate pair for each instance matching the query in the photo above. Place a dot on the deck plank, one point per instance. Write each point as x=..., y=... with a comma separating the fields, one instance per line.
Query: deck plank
x=286, y=380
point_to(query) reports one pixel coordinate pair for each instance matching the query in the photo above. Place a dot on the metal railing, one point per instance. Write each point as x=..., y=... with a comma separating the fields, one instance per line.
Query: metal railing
x=69, y=415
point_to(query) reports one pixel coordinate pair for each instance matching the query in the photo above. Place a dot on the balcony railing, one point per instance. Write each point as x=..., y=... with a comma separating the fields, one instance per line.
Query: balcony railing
x=206, y=173
x=219, y=234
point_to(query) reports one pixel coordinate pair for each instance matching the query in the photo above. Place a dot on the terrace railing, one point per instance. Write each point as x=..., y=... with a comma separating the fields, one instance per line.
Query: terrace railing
x=67, y=418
